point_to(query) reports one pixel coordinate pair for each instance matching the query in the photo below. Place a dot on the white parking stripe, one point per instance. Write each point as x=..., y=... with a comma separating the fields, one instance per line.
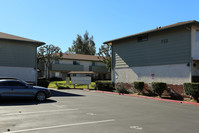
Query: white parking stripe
x=21, y=113
x=67, y=125
x=59, y=106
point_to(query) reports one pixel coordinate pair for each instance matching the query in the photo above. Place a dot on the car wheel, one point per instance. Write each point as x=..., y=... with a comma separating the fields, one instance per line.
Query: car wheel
x=40, y=96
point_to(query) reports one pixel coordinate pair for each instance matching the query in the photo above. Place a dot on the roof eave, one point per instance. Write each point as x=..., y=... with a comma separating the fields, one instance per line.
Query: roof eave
x=82, y=59
x=37, y=43
x=147, y=32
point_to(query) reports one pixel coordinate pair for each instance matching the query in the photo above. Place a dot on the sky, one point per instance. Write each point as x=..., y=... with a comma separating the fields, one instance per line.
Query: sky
x=58, y=22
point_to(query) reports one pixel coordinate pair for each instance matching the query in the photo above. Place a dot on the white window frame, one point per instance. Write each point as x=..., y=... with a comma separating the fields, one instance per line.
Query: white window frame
x=57, y=74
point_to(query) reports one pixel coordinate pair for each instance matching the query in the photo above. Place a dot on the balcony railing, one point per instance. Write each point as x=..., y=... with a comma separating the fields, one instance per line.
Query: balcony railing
x=99, y=69
x=67, y=67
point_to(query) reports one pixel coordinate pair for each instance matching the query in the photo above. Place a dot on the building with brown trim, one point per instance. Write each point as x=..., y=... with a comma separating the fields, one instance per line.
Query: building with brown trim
x=18, y=57
x=79, y=65
x=165, y=54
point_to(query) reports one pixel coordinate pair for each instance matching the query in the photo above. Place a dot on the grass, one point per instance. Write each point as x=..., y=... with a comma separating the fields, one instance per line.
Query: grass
x=63, y=84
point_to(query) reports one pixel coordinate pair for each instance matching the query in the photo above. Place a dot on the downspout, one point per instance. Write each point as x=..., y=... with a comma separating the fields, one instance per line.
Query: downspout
x=112, y=69
x=190, y=50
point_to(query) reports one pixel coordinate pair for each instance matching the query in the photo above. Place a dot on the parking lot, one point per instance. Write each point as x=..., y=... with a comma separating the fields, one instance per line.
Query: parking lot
x=76, y=111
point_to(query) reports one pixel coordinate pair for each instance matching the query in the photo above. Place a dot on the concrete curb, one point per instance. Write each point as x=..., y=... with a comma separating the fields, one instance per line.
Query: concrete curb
x=167, y=100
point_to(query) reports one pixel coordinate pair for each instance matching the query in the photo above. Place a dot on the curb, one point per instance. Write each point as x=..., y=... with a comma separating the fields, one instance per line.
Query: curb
x=67, y=89
x=167, y=100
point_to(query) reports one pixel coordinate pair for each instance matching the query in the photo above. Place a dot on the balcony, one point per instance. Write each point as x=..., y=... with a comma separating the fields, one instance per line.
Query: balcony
x=67, y=67
x=99, y=69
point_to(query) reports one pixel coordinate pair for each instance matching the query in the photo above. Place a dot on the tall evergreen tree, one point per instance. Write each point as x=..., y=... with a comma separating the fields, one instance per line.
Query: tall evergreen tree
x=83, y=45
x=105, y=54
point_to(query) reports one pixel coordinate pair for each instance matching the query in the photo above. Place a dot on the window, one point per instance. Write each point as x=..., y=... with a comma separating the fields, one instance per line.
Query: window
x=18, y=84
x=197, y=35
x=56, y=61
x=76, y=62
x=12, y=83
x=93, y=63
x=163, y=41
x=57, y=74
x=4, y=83
x=1, y=83
x=142, y=38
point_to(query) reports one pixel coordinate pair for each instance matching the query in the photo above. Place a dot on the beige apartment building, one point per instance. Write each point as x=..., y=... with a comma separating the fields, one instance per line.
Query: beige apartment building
x=78, y=65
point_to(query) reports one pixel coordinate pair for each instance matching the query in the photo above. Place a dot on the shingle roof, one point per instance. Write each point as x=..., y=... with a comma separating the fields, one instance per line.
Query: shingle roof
x=155, y=30
x=80, y=57
x=5, y=36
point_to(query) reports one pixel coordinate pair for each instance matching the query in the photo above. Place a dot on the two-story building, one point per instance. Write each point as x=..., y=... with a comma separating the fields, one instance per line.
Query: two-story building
x=168, y=54
x=79, y=65
x=18, y=57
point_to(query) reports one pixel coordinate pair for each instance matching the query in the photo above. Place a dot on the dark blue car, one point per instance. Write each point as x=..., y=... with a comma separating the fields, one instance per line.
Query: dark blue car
x=15, y=88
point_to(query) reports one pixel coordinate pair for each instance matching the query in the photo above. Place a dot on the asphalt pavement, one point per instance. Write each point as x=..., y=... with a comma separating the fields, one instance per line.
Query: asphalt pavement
x=79, y=111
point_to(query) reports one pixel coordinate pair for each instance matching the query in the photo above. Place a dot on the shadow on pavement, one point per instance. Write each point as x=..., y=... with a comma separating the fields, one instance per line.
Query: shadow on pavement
x=57, y=93
x=22, y=102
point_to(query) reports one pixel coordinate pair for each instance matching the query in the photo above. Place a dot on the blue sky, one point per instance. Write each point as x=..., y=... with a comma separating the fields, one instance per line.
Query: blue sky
x=59, y=21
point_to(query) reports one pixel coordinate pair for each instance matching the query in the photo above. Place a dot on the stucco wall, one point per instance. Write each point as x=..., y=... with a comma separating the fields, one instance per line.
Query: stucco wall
x=24, y=73
x=100, y=64
x=171, y=74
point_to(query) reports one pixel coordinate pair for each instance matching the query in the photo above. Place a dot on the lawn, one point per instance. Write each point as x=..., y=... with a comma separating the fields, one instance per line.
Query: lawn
x=63, y=84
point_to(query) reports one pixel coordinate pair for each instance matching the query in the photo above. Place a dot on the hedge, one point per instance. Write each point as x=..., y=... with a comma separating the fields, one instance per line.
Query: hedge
x=138, y=85
x=159, y=87
x=43, y=82
x=55, y=79
x=192, y=89
x=104, y=85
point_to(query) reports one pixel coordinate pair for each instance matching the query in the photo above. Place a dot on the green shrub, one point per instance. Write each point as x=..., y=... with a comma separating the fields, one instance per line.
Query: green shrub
x=159, y=87
x=61, y=86
x=104, y=85
x=187, y=88
x=192, y=89
x=121, y=89
x=43, y=82
x=138, y=85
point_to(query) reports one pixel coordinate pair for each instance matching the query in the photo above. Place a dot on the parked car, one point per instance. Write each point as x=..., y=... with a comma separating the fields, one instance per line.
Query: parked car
x=16, y=88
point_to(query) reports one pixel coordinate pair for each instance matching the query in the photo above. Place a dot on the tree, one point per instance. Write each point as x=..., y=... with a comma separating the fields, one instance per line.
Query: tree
x=47, y=54
x=83, y=45
x=105, y=54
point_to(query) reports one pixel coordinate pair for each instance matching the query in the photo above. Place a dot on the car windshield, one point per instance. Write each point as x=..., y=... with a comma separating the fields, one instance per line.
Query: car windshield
x=24, y=82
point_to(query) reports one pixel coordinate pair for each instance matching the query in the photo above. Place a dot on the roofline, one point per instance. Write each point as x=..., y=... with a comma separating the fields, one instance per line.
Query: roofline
x=82, y=59
x=97, y=60
x=151, y=31
x=33, y=42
